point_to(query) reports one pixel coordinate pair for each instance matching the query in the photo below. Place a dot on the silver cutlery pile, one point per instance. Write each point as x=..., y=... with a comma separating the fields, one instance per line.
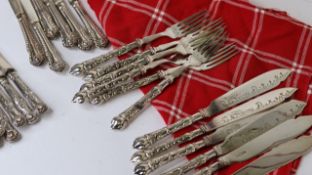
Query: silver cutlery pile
x=250, y=120
x=45, y=20
x=19, y=105
x=199, y=44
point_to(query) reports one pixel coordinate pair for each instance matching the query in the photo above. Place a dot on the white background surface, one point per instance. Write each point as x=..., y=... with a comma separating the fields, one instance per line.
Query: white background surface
x=76, y=139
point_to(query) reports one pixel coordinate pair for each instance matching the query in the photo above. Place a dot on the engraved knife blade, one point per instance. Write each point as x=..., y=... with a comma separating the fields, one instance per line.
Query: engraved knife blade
x=282, y=133
x=246, y=91
x=278, y=156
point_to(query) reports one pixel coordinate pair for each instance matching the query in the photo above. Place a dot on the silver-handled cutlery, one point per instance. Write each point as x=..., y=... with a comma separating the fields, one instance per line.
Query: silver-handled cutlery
x=46, y=20
x=201, y=56
x=85, y=41
x=56, y=63
x=252, y=107
x=246, y=91
x=260, y=124
x=178, y=30
x=278, y=156
x=33, y=45
x=284, y=132
x=287, y=109
x=97, y=34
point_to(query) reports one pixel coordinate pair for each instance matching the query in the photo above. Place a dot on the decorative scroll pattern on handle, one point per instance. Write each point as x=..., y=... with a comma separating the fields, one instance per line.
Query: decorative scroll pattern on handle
x=97, y=35
x=107, y=94
x=98, y=73
x=33, y=99
x=19, y=102
x=86, y=66
x=123, y=120
x=149, y=139
x=36, y=56
x=46, y=20
x=85, y=42
x=56, y=63
x=10, y=133
x=15, y=116
x=70, y=37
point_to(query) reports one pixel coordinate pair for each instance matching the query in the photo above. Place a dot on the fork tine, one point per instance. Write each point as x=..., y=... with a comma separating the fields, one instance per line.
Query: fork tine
x=211, y=42
x=224, y=54
x=192, y=17
x=200, y=26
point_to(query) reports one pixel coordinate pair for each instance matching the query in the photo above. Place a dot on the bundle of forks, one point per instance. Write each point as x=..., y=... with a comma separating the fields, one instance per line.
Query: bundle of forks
x=44, y=20
x=251, y=119
x=19, y=105
x=199, y=45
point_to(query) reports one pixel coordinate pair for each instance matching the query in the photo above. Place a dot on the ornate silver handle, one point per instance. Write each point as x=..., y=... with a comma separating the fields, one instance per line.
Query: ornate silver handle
x=147, y=140
x=155, y=163
x=124, y=119
x=159, y=149
x=98, y=36
x=103, y=70
x=210, y=169
x=69, y=38
x=34, y=49
x=48, y=24
x=192, y=164
x=3, y=124
x=15, y=116
x=85, y=42
x=33, y=99
x=19, y=102
x=108, y=94
x=10, y=133
x=56, y=63
x=86, y=66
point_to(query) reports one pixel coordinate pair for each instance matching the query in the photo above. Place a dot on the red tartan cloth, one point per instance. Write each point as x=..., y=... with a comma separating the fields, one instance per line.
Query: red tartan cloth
x=268, y=39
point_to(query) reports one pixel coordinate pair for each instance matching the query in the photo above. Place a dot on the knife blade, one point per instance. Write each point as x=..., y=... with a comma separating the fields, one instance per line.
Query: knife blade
x=274, y=137
x=254, y=106
x=246, y=91
x=278, y=156
x=235, y=134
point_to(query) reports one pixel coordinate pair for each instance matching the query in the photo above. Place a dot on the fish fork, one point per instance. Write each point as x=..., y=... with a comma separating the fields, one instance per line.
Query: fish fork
x=111, y=91
x=195, y=59
x=210, y=26
x=178, y=30
x=185, y=46
x=97, y=35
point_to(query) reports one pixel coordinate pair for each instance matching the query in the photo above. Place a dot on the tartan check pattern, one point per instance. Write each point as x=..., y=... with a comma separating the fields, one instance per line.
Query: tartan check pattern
x=266, y=38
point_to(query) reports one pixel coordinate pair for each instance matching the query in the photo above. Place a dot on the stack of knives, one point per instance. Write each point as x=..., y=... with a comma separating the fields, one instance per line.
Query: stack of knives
x=200, y=44
x=44, y=20
x=250, y=120
x=19, y=105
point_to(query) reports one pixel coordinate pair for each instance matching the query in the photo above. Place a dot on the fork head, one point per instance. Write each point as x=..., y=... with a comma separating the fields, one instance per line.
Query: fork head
x=201, y=45
x=222, y=55
x=187, y=25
